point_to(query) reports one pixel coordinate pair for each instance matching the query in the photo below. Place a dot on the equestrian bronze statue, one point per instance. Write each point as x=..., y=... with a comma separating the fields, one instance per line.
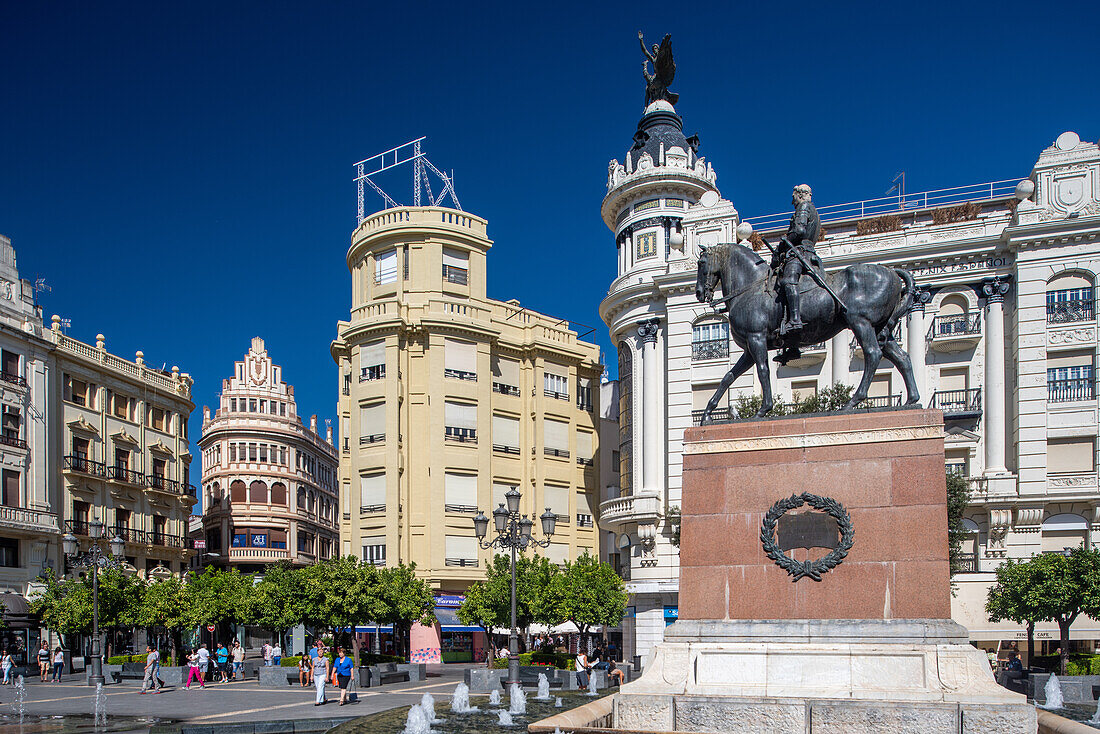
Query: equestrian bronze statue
x=868, y=299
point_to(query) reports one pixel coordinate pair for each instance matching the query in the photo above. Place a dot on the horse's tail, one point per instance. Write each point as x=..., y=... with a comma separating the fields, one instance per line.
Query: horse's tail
x=908, y=292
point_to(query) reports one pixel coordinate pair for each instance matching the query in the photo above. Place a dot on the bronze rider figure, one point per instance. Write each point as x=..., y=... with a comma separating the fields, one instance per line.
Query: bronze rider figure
x=802, y=234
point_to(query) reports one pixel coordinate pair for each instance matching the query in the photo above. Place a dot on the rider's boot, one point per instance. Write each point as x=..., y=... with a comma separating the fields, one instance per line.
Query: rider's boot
x=794, y=319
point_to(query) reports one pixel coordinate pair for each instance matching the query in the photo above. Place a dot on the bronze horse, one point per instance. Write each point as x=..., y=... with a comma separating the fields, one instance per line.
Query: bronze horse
x=876, y=297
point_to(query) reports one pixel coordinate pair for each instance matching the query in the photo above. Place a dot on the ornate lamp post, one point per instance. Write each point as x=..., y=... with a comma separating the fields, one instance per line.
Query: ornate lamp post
x=94, y=558
x=513, y=531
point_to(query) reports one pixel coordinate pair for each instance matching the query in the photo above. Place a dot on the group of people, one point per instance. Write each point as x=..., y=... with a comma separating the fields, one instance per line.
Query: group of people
x=599, y=660
x=317, y=668
x=223, y=666
x=47, y=663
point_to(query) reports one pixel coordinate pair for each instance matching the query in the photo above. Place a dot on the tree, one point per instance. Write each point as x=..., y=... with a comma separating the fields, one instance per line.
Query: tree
x=479, y=608
x=587, y=593
x=829, y=400
x=404, y=599
x=218, y=597
x=958, y=497
x=489, y=602
x=277, y=602
x=1009, y=599
x=164, y=604
x=340, y=593
x=65, y=606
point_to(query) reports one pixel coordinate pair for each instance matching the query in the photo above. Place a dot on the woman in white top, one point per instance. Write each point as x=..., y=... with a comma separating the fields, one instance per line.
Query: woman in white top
x=6, y=664
x=581, y=663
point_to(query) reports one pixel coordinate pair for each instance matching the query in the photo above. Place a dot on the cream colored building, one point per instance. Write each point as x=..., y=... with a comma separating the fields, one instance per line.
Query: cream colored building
x=269, y=482
x=449, y=398
x=120, y=432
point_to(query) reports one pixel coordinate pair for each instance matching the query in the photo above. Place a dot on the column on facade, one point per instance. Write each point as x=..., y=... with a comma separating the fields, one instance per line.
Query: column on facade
x=841, y=359
x=994, y=389
x=651, y=408
x=915, y=343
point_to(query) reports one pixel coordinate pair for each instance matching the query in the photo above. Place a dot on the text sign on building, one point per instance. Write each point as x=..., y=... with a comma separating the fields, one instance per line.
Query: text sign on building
x=200, y=544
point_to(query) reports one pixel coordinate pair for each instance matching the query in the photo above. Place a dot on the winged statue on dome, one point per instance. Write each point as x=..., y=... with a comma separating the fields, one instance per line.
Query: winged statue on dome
x=664, y=71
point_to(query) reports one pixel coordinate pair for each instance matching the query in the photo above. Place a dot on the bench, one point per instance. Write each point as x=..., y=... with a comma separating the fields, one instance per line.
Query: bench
x=529, y=675
x=277, y=677
x=387, y=673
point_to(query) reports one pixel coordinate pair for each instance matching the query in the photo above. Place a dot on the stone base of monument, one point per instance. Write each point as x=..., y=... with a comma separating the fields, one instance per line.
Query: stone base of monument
x=815, y=588
x=836, y=676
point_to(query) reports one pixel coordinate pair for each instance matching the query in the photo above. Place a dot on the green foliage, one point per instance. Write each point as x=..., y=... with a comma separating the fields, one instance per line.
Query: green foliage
x=403, y=598
x=217, y=596
x=277, y=601
x=958, y=497
x=340, y=592
x=548, y=659
x=1082, y=665
x=489, y=603
x=587, y=592
x=163, y=604
x=65, y=605
x=290, y=661
x=828, y=400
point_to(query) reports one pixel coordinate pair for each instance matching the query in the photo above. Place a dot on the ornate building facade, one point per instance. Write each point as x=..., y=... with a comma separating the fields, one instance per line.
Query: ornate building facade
x=269, y=482
x=1002, y=336
x=447, y=400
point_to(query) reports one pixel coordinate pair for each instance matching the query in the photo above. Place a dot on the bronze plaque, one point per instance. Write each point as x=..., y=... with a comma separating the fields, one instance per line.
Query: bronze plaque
x=807, y=530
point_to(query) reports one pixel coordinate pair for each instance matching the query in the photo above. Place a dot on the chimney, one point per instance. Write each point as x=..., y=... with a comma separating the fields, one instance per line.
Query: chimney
x=313, y=423
x=206, y=414
x=328, y=433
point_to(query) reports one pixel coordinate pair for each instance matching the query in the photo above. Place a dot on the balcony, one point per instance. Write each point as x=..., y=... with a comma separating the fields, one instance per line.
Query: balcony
x=581, y=461
x=83, y=465
x=502, y=449
x=371, y=509
x=163, y=484
x=459, y=276
x=720, y=415
x=258, y=554
x=125, y=476
x=705, y=349
x=881, y=401
x=637, y=508
x=559, y=453
x=958, y=403
x=373, y=438
x=968, y=564
x=470, y=509
x=461, y=562
x=503, y=389
x=1070, y=306
x=556, y=395
x=809, y=355
x=377, y=372
x=143, y=537
x=585, y=405
x=13, y=379
x=584, y=521
x=460, y=435
x=955, y=333
x=13, y=441
x=460, y=375
x=857, y=350
x=1075, y=389
x=19, y=518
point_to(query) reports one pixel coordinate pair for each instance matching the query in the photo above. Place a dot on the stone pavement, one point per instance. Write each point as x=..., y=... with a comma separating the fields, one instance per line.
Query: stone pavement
x=225, y=703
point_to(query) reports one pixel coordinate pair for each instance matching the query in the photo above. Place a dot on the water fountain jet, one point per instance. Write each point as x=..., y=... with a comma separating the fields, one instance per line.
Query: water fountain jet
x=460, y=700
x=494, y=697
x=517, y=700
x=1053, y=691
x=504, y=718
x=544, y=688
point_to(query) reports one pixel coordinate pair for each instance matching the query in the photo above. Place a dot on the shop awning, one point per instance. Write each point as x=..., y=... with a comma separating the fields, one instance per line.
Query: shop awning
x=17, y=612
x=449, y=622
x=371, y=628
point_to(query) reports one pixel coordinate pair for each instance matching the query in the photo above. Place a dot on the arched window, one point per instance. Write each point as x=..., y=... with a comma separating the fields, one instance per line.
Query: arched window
x=968, y=559
x=302, y=497
x=1063, y=531
x=278, y=493
x=257, y=492
x=1070, y=298
x=238, y=492
x=954, y=316
x=710, y=339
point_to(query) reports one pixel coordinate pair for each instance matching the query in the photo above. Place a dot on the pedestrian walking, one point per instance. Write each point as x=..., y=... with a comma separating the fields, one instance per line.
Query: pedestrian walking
x=320, y=675
x=222, y=656
x=341, y=668
x=44, y=660
x=267, y=654
x=277, y=655
x=193, y=672
x=152, y=670
x=581, y=665
x=58, y=664
x=204, y=663
x=238, y=660
x=6, y=665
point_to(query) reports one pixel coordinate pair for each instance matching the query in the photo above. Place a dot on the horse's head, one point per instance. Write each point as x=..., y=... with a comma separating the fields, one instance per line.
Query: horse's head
x=708, y=275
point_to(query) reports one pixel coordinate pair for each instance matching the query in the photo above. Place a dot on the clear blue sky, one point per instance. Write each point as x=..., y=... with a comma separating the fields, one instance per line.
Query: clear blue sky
x=180, y=173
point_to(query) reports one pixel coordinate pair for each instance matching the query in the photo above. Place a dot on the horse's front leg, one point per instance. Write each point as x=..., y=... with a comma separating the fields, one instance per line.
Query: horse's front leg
x=736, y=371
x=757, y=348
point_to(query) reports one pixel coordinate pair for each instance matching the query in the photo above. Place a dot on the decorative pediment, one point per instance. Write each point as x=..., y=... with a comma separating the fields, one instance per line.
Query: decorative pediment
x=160, y=573
x=160, y=448
x=185, y=456
x=82, y=426
x=959, y=435
x=124, y=437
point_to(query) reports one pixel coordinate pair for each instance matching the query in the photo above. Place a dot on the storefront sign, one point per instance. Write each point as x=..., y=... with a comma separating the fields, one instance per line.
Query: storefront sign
x=200, y=544
x=671, y=615
x=451, y=601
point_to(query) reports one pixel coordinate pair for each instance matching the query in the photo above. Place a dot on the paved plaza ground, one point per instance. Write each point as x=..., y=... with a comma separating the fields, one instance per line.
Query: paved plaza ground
x=224, y=703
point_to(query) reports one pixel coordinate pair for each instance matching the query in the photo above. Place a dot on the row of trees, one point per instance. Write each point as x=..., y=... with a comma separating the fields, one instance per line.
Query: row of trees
x=330, y=596
x=1052, y=587
x=584, y=592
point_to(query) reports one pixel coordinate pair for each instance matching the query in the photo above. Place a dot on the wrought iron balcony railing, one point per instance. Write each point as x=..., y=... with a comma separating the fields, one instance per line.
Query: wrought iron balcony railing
x=460, y=375
x=584, y=521
x=958, y=403
x=710, y=349
x=125, y=475
x=377, y=372
x=882, y=401
x=720, y=415
x=371, y=509
x=967, y=564
x=13, y=441
x=463, y=562
x=582, y=461
x=372, y=438
x=451, y=274
x=964, y=324
x=13, y=379
x=472, y=509
x=503, y=449
x=1064, y=391
x=461, y=435
x=560, y=453
x=1063, y=308
x=555, y=394
x=84, y=465
x=503, y=389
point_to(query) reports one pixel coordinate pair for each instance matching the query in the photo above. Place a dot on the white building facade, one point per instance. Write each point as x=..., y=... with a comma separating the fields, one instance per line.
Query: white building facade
x=1002, y=336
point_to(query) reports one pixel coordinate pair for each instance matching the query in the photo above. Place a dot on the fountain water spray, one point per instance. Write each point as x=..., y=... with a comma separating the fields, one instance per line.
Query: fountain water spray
x=1053, y=690
x=417, y=722
x=544, y=688
x=1096, y=717
x=557, y=702
x=427, y=702
x=517, y=700
x=592, y=684
x=460, y=699
x=20, y=697
x=504, y=718
x=494, y=697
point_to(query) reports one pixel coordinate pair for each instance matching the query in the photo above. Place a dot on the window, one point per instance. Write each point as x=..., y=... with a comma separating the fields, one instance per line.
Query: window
x=1070, y=377
x=372, y=492
x=460, y=492
x=258, y=539
x=456, y=266
x=214, y=539
x=251, y=405
x=1071, y=455
x=1070, y=298
x=558, y=553
x=237, y=491
x=81, y=447
x=460, y=422
x=10, y=365
x=120, y=407
x=253, y=452
x=374, y=550
x=11, y=422
x=232, y=452
x=157, y=418
x=10, y=490
x=160, y=467
x=240, y=539
x=584, y=393
x=505, y=376
x=803, y=390
x=9, y=553
x=555, y=384
x=700, y=397
x=710, y=340
x=459, y=359
x=233, y=405
x=263, y=406
x=647, y=245
x=278, y=493
x=584, y=511
x=81, y=514
x=385, y=268
x=257, y=492
x=555, y=438
x=505, y=434
x=557, y=500
x=282, y=409
x=626, y=435
x=1063, y=531
x=122, y=458
x=460, y=550
x=305, y=542
x=79, y=392
x=160, y=529
x=372, y=361
x=584, y=448
x=372, y=423
x=263, y=453
x=956, y=462
x=277, y=538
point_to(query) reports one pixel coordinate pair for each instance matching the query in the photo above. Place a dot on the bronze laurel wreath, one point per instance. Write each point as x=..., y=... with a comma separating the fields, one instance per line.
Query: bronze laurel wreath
x=810, y=568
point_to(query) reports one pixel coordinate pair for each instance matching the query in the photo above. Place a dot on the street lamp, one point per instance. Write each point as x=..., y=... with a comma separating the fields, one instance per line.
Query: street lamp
x=94, y=558
x=513, y=531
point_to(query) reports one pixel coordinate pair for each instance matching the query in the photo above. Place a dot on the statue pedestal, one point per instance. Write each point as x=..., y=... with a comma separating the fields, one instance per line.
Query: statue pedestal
x=868, y=648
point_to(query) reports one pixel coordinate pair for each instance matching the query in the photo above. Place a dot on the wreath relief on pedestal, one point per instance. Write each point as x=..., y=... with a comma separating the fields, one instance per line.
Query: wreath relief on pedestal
x=811, y=568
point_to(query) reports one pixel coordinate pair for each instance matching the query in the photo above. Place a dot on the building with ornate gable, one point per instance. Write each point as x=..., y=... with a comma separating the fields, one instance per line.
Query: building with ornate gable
x=1003, y=337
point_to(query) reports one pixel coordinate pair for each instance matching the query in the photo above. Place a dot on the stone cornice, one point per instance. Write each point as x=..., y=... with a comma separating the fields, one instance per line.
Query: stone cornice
x=83, y=426
x=808, y=440
x=160, y=448
x=124, y=437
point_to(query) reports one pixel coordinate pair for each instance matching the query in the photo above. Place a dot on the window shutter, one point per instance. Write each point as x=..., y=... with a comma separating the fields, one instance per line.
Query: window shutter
x=556, y=498
x=372, y=490
x=456, y=258
x=558, y=553
x=499, y=490
x=460, y=546
x=373, y=354
x=372, y=420
x=459, y=355
x=506, y=431
x=1070, y=359
x=556, y=434
x=1075, y=455
x=506, y=372
x=880, y=386
x=584, y=507
x=460, y=415
x=584, y=445
x=460, y=489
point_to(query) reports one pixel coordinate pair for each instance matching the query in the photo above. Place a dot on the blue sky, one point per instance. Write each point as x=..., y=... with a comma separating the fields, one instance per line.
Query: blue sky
x=180, y=173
